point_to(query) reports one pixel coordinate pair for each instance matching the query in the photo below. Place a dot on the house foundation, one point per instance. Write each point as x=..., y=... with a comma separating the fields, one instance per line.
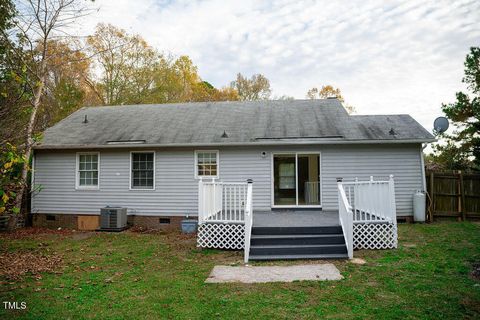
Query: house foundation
x=91, y=222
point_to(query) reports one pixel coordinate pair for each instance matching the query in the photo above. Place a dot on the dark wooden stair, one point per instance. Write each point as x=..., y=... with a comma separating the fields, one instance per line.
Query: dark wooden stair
x=285, y=243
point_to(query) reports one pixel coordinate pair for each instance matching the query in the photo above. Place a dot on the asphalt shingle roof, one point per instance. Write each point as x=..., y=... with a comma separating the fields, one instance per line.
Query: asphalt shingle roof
x=260, y=122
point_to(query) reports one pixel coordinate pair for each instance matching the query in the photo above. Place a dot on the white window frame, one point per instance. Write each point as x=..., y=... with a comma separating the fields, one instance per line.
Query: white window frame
x=77, y=172
x=195, y=165
x=154, y=171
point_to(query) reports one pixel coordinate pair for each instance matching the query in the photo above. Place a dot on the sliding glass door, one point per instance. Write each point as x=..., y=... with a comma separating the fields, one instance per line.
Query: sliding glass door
x=308, y=179
x=296, y=179
x=285, y=180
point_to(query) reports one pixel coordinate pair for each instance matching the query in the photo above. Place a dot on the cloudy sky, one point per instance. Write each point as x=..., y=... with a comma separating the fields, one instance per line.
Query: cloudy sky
x=385, y=56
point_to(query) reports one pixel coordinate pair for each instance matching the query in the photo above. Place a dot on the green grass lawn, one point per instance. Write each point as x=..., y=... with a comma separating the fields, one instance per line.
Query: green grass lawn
x=132, y=275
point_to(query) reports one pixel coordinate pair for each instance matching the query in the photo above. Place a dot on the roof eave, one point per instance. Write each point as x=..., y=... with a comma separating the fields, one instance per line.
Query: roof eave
x=234, y=144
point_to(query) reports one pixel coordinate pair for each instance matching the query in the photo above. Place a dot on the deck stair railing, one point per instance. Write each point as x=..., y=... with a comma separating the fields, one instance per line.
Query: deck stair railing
x=248, y=219
x=345, y=216
x=366, y=202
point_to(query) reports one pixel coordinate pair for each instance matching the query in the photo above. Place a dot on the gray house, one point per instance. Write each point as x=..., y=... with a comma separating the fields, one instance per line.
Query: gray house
x=158, y=161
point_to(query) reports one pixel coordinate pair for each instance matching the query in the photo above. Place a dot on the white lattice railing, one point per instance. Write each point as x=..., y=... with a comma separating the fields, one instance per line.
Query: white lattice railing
x=221, y=201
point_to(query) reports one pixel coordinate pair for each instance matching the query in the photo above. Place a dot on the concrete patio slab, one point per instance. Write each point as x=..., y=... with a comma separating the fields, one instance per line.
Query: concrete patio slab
x=263, y=274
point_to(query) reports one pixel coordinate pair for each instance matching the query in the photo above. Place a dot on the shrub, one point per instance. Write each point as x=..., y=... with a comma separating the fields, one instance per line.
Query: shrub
x=11, y=163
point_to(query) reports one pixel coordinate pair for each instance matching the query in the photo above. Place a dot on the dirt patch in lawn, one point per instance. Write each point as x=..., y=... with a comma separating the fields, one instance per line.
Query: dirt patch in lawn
x=476, y=271
x=15, y=265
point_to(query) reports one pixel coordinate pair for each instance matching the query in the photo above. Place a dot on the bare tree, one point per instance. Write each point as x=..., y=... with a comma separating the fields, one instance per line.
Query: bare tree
x=37, y=23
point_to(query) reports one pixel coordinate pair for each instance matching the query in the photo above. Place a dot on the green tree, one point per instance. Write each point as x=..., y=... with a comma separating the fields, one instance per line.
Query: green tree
x=448, y=156
x=66, y=85
x=465, y=115
x=204, y=91
x=126, y=64
x=14, y=92
x=177, y=80
x=255, y=88
x=132, y=72
x=11, y=164
x=26, y=39
x=12, y=97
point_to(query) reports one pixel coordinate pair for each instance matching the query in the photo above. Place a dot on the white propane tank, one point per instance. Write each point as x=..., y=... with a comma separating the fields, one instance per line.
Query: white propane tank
x=419, y=206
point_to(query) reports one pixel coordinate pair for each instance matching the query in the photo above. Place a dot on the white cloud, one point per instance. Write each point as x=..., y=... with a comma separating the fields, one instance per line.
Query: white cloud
x=393, y=57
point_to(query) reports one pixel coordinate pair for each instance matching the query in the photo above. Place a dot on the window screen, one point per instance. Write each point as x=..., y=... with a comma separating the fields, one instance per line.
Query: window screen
x=142, y=170
x=88, y=170
x=207, y=164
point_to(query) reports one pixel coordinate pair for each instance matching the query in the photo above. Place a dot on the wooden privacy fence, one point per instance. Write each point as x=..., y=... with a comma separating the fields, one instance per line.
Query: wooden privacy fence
x=453, y=194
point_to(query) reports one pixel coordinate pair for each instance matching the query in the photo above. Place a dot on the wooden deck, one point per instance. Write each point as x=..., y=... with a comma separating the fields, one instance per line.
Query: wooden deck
x=295, y=218
x=285, y=218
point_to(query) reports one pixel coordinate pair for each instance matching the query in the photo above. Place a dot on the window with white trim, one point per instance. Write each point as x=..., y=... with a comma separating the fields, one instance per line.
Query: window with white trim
x=142, y=170
x=87, y=170
x=206, y=164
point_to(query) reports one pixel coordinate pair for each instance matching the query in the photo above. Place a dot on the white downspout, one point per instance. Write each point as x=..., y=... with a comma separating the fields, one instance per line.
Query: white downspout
x=422, y=161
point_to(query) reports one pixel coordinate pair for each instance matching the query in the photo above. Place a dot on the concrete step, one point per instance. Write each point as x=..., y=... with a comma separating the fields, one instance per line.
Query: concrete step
x=296, y=239
x=298, y=256
x=298, y=249
x=296, y=230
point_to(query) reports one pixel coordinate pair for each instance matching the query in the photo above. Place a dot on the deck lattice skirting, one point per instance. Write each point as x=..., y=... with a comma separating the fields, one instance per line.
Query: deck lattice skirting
x=221, y=236
x=374, y=235
x=231, y=236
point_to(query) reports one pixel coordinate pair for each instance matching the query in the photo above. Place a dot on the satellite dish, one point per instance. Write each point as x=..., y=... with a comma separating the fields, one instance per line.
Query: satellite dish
x=440, y=125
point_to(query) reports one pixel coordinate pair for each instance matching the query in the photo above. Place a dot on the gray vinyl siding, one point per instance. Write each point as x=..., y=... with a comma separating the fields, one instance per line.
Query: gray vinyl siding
x=176, y=187
x=377, y=161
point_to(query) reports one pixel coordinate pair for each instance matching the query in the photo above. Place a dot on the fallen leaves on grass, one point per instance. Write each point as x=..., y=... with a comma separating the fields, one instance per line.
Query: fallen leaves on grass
x=112, y=278
x=83, y=235
x=180, y=241
x=15, y=265
x=140, y=229
x=33, y=231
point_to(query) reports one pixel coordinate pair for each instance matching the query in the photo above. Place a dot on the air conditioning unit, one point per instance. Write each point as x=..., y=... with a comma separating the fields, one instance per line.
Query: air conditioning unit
x=113, y=219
